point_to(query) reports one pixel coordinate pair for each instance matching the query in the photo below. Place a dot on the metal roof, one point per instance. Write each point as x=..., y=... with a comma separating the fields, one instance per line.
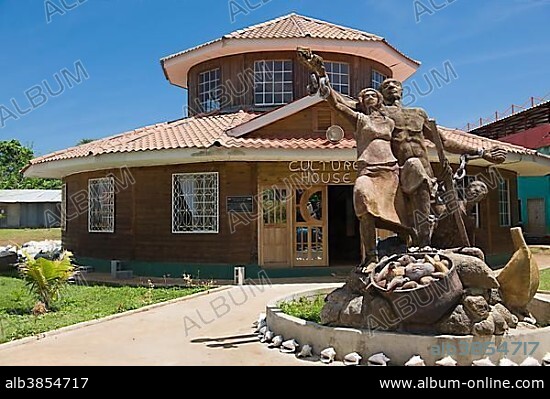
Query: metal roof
x=29, y=196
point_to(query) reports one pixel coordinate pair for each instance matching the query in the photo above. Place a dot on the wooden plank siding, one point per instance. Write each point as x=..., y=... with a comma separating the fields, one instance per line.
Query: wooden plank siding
x=143, y=224
x=239, y=96
x=303, y=125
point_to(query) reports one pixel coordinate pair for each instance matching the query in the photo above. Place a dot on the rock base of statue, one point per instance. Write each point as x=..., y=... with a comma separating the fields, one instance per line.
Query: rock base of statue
x=434, y=292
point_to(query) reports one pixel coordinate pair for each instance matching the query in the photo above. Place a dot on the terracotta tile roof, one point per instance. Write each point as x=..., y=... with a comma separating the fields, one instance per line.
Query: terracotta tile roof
x=195, y=132
x=298, y=26
x=206, y=131
x=321, y=143
x=289, y=144
x=294, y=26
x=481, y=142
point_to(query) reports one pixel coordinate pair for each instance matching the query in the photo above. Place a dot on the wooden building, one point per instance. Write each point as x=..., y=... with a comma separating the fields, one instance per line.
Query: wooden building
x=249, y=178
x=530, y=128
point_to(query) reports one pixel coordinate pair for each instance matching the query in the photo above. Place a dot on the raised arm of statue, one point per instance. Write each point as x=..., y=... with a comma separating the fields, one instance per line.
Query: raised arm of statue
x=495, y=154
x=316, y=65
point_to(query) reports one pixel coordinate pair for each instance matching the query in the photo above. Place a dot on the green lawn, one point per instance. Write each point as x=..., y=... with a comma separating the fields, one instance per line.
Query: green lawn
x=305, y=308
x=77, y=304
x=21, y=236
x=545, y=280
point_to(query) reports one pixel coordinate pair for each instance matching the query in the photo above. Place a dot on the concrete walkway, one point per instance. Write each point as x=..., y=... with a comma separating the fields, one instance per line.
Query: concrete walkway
x=543, y=260
x=214, y=329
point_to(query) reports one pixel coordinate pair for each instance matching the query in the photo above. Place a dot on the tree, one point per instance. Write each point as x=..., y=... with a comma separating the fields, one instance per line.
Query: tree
x=14, y=157
x=85, y=141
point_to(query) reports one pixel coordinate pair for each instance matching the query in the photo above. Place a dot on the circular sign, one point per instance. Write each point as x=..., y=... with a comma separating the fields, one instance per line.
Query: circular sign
x=335, y=134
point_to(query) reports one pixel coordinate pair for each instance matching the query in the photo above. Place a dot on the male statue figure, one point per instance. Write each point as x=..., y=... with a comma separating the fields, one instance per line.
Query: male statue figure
x=417, y=179
x=377, y=200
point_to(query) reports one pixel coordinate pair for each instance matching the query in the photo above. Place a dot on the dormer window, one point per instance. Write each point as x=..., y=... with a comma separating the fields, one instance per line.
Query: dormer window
x=338, y=74
x=209, y=90
x=273, y=82
x=377, y=79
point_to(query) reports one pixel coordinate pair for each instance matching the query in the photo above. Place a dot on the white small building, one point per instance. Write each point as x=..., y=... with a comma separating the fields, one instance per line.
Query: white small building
x=29, y=208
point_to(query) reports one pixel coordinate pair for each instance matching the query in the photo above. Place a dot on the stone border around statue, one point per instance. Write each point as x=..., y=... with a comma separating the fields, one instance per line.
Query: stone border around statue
x=401, y=347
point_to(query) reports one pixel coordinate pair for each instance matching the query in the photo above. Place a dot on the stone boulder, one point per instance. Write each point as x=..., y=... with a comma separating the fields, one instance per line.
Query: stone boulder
x=501, y=327
x=458, y=322
x=473, y=272
x=485, y=327
x=334, y=303
x=7, y=260
x=477, y=308
x=511, y=320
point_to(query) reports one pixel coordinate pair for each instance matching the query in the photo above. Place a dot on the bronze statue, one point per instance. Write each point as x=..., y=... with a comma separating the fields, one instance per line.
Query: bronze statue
x=444, y=235
x=378, y=202
x=395, y=181
x=418, y=183
x=396, y=185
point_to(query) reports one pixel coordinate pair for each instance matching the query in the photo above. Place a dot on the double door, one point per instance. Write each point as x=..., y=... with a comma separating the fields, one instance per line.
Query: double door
x=293, y=226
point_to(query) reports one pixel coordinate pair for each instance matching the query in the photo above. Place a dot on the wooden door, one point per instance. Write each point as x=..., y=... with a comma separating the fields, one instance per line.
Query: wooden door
x=309, y=233
x=536, y=218
x=274, y=240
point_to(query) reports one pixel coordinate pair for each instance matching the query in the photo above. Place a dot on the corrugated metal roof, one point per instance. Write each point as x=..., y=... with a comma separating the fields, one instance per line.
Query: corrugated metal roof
x=29, y=196
x=534, y=138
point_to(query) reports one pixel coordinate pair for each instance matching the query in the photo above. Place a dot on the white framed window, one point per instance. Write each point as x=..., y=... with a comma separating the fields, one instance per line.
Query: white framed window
x=63, y=210
x=461, y=187
x=377, y=79
x=338, y=74
x=209, y=90
x=195, y=202
x=273, y=83
x=101, y=205
x=504, y=203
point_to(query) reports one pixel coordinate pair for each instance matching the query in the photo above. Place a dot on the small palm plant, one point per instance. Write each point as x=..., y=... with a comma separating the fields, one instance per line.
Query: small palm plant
x=45, y=278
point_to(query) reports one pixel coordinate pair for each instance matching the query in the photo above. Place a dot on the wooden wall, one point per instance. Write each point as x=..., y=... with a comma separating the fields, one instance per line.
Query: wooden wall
x=490, y=236
x=302, y=125
x=143, y=225
x=233, y=66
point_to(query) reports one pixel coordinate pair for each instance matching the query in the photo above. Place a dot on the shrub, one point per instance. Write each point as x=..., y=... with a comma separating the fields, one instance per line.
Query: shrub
x=45, y=278
x=305, y=308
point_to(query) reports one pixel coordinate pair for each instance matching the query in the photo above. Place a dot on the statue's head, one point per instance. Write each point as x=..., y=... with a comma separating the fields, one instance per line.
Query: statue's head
x=392, y=90
x=475, y=192
x=370, y=99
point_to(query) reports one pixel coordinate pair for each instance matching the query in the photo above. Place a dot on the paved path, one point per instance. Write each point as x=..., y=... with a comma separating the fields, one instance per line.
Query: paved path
x=543, y=260
x=212, y=329
x=158, y=336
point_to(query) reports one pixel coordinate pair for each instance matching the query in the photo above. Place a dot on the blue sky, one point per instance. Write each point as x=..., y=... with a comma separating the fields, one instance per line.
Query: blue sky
x=499, y=50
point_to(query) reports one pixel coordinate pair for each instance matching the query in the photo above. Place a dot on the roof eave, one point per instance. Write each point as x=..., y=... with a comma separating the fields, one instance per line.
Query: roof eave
x=522, y=164
x=177, y=67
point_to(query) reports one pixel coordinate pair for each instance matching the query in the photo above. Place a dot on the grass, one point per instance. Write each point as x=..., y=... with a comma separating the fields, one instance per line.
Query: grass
x=77, y=304
x=305, y=308
x=310, y=308
x=545, y=280
x=21, y=236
